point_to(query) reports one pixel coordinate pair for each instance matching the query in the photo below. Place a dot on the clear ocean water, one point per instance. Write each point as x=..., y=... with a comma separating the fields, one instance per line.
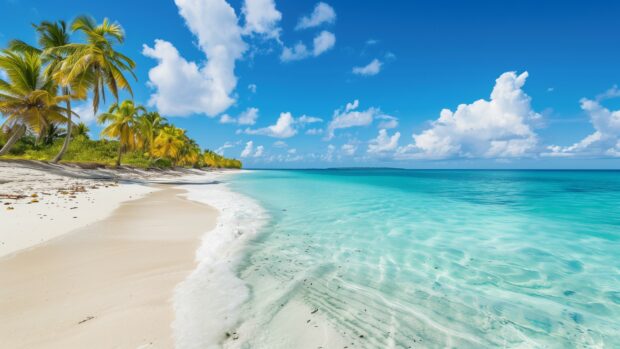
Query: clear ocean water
x=459, y=259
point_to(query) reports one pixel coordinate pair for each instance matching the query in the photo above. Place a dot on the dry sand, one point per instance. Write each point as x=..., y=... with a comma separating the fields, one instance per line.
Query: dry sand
x=105, y=285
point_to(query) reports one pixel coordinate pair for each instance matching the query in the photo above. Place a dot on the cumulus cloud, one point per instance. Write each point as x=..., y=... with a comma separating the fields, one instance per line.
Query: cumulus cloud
x=262, y=17
x=247, y=117
x=323, y=13
x=280, y=144
x=286, y=126
x=283, y=128
x=323, y=42
x=501, y=127
x=372, y=68
x=182, y=87
x=350, y=117
x=605, y=141
x=252, y=88
x=383, y=143
x=249, y=150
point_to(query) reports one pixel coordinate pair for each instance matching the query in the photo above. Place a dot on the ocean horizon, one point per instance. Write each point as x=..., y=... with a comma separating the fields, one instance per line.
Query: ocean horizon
x=396, y=258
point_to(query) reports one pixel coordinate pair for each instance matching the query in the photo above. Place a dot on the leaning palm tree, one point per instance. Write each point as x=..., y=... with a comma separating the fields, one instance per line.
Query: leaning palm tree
x=93, y=65
x=29, y=98
x=150, y=123
x=51, y=37
x=121, y=120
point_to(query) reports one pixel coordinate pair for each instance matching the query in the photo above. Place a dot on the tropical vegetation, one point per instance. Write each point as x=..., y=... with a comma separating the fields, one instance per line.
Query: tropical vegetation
x=38, y=84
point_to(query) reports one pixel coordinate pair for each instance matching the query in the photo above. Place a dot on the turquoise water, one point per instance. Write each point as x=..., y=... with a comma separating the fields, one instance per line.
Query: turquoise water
x=463, y=259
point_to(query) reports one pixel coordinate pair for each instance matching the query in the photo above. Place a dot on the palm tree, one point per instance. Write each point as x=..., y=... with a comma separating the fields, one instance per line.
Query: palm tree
x=81, y=130
x=169, y=143
x=29, y=98
x=190, y=153
x=122, y=124
x=94, y=64
x=150, y=123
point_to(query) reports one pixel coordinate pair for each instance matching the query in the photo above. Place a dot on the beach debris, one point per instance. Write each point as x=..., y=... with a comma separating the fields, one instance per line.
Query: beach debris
x=10, y=208
x=12, y=196
x=88, y=318
x=233, y=335
x=34, y=195
x=314, y=310
x=34, y=201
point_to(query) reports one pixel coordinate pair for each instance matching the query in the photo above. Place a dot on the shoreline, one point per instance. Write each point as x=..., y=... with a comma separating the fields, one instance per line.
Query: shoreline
x=114, y=279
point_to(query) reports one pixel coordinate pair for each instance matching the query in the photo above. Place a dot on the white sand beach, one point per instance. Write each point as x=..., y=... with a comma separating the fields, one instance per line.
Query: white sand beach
x=104, y=279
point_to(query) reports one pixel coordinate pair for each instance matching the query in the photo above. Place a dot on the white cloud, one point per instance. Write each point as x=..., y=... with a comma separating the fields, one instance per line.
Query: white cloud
x=283, y=128
x=223, y=148
x=613, y=92
x=227, y=119
x=323, y=42
x=501, y=127
x=286, y=126
x=314, y=131
x=252, y=88
x=383, y=143
x=305, y=119
x=247, y=117
x=247, y=151
x=323, y=13
x=349, y=149
x=605, y=141
x=372, y=68
x=262, y=17
x=259, y=151
x=183, y=88
x=280, y=144
x=207, y=87
x=387, y=121
x=298, y=52
x=86, y=112
x=353, y=105
x=329, y=155
x=350, y=117
x=292, y=151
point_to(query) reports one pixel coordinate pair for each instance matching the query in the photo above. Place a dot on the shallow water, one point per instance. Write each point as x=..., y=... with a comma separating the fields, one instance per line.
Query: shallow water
x=467, y=259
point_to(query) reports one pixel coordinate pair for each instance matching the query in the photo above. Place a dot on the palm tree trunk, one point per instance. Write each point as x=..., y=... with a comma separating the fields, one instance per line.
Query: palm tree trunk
x=17, y=134
x=65, y=145
x=120, y=153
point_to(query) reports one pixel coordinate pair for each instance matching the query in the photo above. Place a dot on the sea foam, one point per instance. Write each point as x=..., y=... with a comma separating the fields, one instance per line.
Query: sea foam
x=207, y=302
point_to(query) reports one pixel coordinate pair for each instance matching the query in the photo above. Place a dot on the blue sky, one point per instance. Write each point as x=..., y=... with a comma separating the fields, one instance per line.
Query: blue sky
x=349, y=83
